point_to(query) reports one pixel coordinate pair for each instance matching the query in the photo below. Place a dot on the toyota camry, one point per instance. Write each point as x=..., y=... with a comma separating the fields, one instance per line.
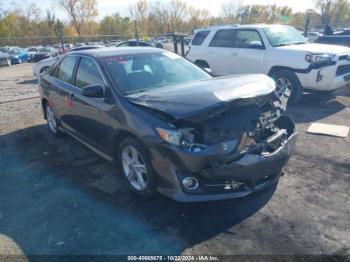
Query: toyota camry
x=169, y=125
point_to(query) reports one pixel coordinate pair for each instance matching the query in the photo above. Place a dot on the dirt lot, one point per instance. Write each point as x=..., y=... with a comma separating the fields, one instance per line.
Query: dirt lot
x=57, y=197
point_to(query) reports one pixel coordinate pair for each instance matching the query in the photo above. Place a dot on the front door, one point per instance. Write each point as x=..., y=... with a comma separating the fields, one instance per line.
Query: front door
x=249, y=52
x=90, y=116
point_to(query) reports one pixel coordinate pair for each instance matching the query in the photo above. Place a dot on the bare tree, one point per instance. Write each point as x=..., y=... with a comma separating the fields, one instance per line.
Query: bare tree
x=139, y=12
x=178, y=14
x=332, y=10
x=81, y=12
x=198, y=17
x=230, y=10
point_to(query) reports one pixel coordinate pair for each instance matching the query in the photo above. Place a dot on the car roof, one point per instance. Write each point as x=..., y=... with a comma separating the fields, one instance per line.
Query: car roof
x=115, y=51
x=229, y=26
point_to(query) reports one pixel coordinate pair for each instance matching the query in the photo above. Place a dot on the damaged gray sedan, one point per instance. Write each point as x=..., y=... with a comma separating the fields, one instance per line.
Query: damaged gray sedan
x=168, y=124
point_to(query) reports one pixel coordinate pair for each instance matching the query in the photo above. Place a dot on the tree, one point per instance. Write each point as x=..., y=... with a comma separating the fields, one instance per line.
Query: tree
x=139, y=12
x=332, y=10
x=178, y=14
x=230, y=9
x=81, y=12
x=198, y=17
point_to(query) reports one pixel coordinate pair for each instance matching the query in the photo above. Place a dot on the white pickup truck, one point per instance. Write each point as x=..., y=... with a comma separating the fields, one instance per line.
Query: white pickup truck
x=279, y=51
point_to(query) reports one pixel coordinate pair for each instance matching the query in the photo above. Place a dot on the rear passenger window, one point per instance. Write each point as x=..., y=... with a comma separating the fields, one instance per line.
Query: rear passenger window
x=65, y=72
x=199, y=38
x=223, y=38
x=88, y=73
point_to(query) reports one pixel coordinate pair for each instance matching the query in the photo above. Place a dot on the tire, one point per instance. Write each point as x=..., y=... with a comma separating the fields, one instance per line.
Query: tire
x=136, y=167
x=52, y=121
x=287, y=80
x=44, y=69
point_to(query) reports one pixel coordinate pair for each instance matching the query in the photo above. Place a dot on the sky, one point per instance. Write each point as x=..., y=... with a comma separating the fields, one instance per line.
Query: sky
x=106, y=7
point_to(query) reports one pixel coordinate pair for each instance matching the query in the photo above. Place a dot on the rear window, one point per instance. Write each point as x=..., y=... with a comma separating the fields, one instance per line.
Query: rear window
x=200, y=37
x=223, y=38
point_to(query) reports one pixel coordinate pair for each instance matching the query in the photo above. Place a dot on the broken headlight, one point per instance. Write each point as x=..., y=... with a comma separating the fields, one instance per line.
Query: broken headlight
x=173, y=137
x=182, y=138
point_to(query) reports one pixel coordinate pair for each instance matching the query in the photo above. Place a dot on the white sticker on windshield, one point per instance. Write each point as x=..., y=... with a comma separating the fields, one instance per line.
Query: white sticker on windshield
x=171, y=55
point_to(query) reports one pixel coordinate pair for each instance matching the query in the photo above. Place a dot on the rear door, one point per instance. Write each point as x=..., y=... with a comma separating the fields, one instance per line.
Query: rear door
x=60, y=85
x=248, y=53
x=220, y=52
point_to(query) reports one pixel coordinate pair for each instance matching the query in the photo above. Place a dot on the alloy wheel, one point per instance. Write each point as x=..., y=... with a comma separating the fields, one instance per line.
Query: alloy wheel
x=135, y=168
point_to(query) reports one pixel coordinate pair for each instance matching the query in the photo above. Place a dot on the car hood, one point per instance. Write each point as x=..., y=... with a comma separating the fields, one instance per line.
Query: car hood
x=198, y=98
x=318, y=48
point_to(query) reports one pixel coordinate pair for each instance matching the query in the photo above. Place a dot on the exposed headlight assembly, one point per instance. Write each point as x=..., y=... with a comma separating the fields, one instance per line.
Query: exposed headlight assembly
x=173, y=137
x=182, y=138
x=320, y=58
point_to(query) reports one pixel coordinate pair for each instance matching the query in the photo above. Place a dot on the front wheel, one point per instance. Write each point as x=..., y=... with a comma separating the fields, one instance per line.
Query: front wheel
x=136, y=167
x=287, y=84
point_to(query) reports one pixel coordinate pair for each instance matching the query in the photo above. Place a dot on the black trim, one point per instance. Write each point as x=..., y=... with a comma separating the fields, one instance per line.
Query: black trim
x=310, y=68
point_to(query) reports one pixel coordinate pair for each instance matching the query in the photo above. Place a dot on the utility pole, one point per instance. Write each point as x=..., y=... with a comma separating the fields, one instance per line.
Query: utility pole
x=136, y=33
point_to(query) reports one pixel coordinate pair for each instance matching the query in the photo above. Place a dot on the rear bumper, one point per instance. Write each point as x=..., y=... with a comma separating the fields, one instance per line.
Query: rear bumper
x=217, y=180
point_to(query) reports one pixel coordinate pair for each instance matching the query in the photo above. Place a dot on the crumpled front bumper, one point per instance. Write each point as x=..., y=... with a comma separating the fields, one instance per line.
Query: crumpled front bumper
x=218, y=179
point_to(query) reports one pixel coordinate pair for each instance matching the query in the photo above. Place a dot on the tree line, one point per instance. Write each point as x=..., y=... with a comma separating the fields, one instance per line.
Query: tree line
x=156, y=17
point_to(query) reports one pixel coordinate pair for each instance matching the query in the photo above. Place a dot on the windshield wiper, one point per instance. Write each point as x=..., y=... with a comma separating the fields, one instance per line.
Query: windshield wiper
x=286, y=44
x=281, y=45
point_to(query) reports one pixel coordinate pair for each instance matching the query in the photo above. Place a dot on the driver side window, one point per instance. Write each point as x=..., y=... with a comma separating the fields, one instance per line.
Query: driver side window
x=247, y=38
x=88, y=73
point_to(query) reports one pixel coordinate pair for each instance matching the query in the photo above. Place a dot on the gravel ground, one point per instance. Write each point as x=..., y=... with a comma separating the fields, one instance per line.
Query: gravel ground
x=57, y=197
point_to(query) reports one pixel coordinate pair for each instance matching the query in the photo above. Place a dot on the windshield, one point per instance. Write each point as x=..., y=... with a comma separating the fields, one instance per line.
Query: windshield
x=280, y=35
x=140, y=72
x=32, y=49
x=44, y=49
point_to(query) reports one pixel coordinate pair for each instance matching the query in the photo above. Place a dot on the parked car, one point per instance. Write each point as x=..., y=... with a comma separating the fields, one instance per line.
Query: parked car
x=18, y=56
x=5, y=59
x=312, y=36
x=134, y=42
x=44, y=53
x=45, y=64
x=169, y=125
x=276, y=50
x=335, y=39
x=31, y=51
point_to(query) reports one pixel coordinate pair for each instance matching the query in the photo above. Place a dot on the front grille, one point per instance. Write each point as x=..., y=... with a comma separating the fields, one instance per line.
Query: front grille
x=343, y=70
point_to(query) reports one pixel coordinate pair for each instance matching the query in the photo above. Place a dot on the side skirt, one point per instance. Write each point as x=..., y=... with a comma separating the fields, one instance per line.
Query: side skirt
x=92, y=148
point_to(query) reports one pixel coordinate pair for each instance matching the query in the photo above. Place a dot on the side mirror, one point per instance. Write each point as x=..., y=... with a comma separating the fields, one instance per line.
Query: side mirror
x=256, y=45
x=94, y=90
